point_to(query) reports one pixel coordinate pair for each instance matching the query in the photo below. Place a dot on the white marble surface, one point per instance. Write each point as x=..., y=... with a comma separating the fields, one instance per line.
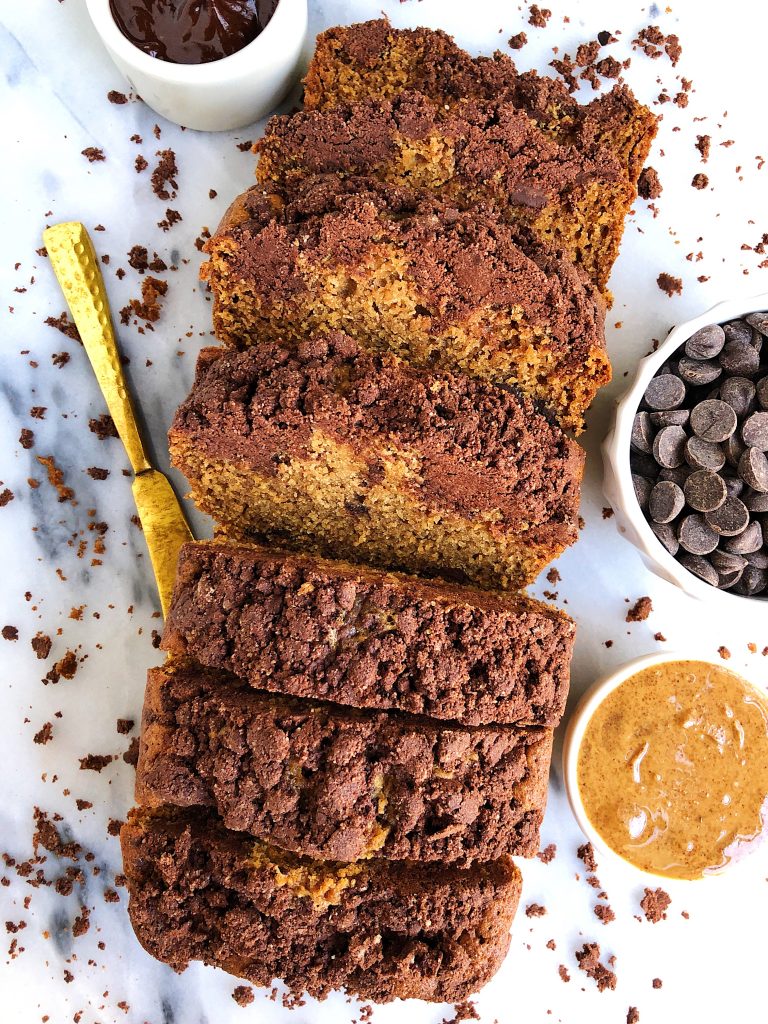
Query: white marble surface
x=55, y=80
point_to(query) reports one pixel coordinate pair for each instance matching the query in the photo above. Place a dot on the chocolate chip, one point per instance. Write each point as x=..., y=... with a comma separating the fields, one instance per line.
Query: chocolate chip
x=730, y=519
x=642, y=433
x=747, y=542
x=698, y=372
x=705, y=491
x=700, y=567
x=665, y=392
x=740, y=357
x=704, y=454
x=754, y=431
x=755, y=501
x=666, y=534
x=713, y=420
x=677, y=476
x=734, y=449
x=739, y=393
x=670, y=417
x=759, y=321
x=643, y=487
x=642, y=464
x=758, y=558
x=696, y=536
x=725, y=562
x=737, y=330
x=753, y=469
x=753, y=581
x=665, y=502
x=762, y=394
x=706, y=343
x=669, y=447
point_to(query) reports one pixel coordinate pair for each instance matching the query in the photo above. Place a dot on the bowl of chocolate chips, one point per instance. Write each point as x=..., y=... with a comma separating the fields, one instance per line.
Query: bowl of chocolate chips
x=686, y=462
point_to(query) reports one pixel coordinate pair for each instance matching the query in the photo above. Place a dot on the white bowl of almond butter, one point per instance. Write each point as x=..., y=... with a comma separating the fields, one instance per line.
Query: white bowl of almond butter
x=666, y=765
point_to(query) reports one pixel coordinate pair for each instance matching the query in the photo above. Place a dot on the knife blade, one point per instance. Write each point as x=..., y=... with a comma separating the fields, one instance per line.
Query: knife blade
x=163, y=521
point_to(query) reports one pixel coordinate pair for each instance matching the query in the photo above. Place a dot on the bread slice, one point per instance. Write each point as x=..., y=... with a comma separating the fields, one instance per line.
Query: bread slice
x=476, y=153
x=381, y=929
x=362, y=457
x=338, y=784
x=374, y=61
x=309, y=627
x=400, y=271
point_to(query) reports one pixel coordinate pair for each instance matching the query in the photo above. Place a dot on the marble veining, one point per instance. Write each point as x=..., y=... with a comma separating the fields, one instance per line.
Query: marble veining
x=74, y=566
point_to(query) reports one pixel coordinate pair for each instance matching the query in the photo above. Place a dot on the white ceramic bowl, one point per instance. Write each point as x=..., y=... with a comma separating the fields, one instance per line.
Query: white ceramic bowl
x=617, y=476
x=574, y=734
x=223, y=94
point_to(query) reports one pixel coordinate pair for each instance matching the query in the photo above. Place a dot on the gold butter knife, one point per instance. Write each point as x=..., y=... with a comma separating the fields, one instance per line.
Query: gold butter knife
x=165, y=527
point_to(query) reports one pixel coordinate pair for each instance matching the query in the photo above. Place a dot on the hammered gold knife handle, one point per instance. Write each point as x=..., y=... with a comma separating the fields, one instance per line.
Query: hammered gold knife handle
x=75, y=264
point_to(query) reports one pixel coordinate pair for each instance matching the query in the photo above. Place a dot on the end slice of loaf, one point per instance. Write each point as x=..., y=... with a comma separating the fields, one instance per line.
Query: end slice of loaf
x=338, y=784
x=381, y=929
x=374, y=61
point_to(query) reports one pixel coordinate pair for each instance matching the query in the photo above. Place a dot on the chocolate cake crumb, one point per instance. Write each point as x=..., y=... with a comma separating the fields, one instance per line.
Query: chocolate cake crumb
x=47, y=836
x=125, y=725
x=26, y=438
x=41, y=645
x=44, y=735
x=245, y=147
x=103, y=427
x=660, y=638
x=589, y=962
x=539, y=16
x=562, y=970
x=138, y=258
x=654, y=905
x=37, y=412
x=607, y=513
x=83, y=805
x=93, y=154
x=131, y=755
x=65, y=668
x=604, y=913
x=535, y=910
x=640, y=610
x=212, y=193
x=633, y=1015
x=586, y=854
x=704, y=144
x=65, y=325
x=547, y=854
x=140, y=164
x=81, y=923
x=657, y=982
x=648, y=184
x=114, y=826
x=165, y=174
x=669, y=284
x=148, y=309
x=700, y=181
x=95, y=473
x=10, y=633
x=653, y=43
x=118, y=98
x=243, y=995
x=724, y=653
x=95, y=762
x=463, y=1011
x=518, y=41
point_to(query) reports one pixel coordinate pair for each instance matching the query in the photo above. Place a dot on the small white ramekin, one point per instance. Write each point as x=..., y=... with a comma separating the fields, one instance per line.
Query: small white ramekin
x=617, y=476
x=574, y=734
x=223, y=94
